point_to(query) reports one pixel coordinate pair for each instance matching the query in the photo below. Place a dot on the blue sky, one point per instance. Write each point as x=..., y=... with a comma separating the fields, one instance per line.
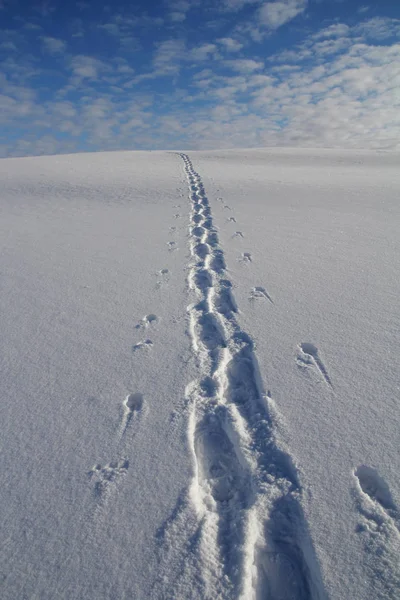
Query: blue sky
x=198, y=74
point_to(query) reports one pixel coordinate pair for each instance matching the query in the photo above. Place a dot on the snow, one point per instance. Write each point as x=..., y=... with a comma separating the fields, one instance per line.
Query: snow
x=199, y=390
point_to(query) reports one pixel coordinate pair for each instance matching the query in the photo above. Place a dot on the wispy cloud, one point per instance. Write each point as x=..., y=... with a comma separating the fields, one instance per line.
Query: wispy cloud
x=53, y=45
x=275, y=14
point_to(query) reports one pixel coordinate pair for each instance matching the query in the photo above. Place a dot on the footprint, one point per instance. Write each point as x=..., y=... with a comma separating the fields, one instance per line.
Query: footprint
x=212, y=239
x=202, y=280
x=163, y=277
x=133, y=403
x=217, y=262
x=220, y=472
x=258, y=291
x=282, y=568
x=376, y=488
x=201, y=250
x=172, y=246
x=238, y=234
x=223, y=300
x=146, y=321
x=246, y=257
x=209, y=332
x=108, y=475
x=198, y=231
x=231, y=220
x=379, y=531
x=145, y=344
x=227, y=207
x=308, y=356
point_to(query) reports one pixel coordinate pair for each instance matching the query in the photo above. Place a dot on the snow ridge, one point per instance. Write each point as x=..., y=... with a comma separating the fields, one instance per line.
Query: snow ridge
x=251, y=538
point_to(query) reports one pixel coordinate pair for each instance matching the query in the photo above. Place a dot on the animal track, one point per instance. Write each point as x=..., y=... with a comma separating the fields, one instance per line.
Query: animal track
x=308, y=357
x=260, y=292
x=132, y=404
x=108, y=475
x=379, y=531
x=163, y=277
x=172, y=246
x=140, y=345
x=246, y=257
x=377, y=490
x=146, y=321
x=238, y=234
x=231, y=220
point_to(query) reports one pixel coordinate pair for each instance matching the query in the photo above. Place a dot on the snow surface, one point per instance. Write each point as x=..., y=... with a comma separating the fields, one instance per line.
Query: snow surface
x=199, y=375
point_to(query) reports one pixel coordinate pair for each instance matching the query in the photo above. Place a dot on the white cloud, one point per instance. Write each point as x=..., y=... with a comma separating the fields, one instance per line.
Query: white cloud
x=235, y=5
x=230, y=44
x=177, y=17
x=168, y=57
x=336, y=30
x=243, y=65
x=87, y=67
x=110, y=28
x=53, y=45
x=379, y=28
x=203, y=52
x=179, y=9
x=276, y=14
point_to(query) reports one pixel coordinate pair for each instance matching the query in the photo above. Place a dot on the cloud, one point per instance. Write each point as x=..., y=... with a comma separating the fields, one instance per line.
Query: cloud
x=230, y=44
x=110, y=28
x=53, y=45
x=168, y=57
x=87, y=67
x=243, y=65
x=178, y=10
x=236, y=5
x=336, y=30
x=275, y=14
x=177, y=17
x=378, y=28
x=203, y=52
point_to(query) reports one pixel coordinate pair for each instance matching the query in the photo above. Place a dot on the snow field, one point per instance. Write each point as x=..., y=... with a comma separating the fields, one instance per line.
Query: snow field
x=199, y=375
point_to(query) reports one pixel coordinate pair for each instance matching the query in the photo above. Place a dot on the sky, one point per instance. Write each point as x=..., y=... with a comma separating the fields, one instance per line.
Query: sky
x=198, y=74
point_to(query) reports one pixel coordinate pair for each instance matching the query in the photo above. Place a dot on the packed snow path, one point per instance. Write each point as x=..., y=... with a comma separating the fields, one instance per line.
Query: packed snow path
x=252, y=539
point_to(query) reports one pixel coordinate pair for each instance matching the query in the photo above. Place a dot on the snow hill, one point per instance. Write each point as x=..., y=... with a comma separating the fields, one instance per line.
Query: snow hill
x=200, y=375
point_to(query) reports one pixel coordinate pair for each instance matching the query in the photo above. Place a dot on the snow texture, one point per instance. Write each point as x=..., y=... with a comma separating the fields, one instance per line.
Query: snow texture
x=199, y=385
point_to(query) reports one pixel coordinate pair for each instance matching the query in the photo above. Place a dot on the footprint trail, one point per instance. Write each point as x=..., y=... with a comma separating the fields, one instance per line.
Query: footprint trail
x=246, y=535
